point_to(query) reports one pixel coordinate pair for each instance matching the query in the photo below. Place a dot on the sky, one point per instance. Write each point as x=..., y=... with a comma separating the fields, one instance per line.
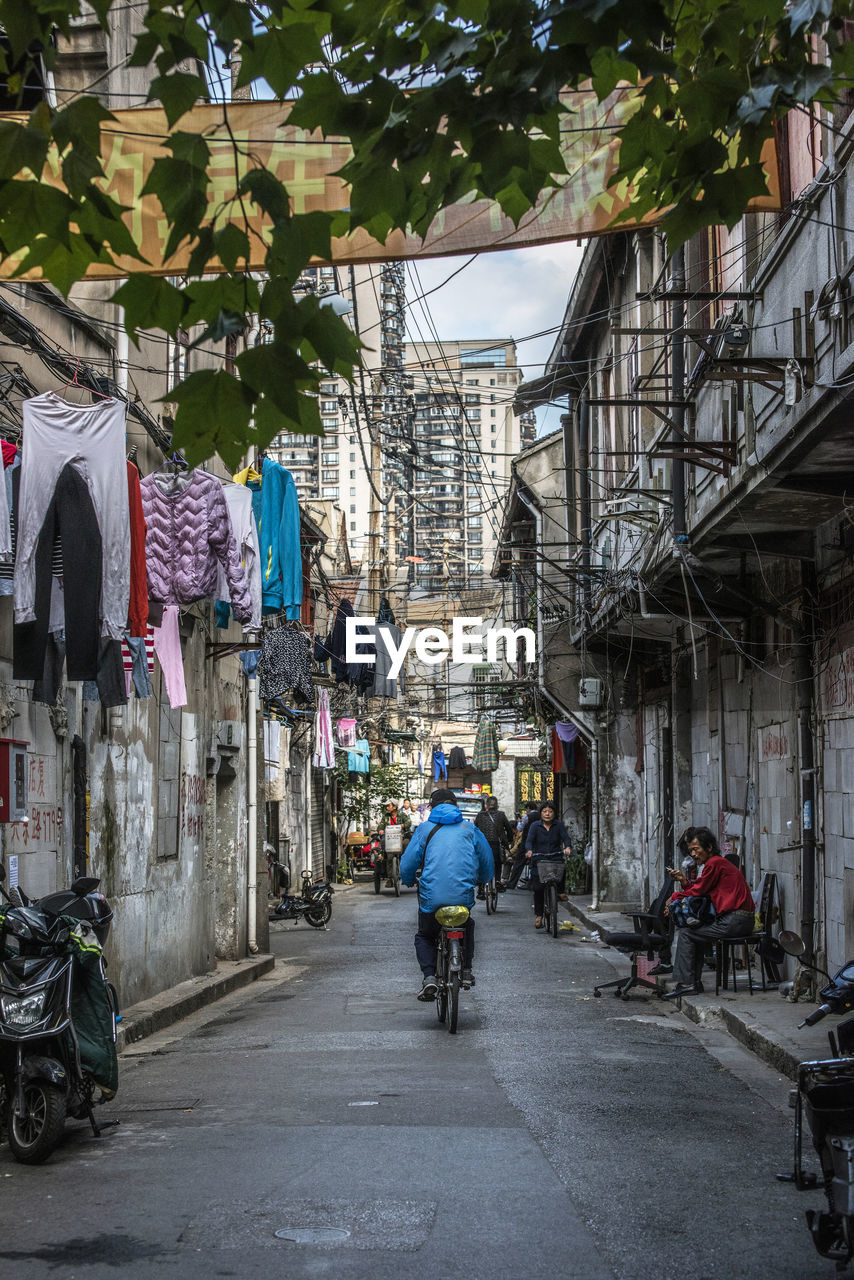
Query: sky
x=513, y=294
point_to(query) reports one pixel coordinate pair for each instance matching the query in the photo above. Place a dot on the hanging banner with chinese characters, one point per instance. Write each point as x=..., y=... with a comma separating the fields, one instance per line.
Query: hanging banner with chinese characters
x=257, y=134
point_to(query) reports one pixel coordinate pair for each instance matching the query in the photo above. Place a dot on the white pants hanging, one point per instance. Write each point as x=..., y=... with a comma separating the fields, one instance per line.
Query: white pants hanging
x=91, y=437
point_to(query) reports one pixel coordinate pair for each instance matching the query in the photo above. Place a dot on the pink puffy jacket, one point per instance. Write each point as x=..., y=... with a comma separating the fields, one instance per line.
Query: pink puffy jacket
x=187, y=534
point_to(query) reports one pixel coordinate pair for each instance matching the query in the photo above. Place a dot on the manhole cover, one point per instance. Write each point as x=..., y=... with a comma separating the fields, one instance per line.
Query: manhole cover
x=312, y=1235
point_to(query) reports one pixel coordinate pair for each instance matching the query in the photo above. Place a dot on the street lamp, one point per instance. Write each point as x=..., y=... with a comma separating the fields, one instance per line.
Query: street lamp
x=339, y=305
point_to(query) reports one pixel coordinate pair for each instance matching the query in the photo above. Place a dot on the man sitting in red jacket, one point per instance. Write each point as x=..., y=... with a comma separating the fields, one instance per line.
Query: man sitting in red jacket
x=720, y=880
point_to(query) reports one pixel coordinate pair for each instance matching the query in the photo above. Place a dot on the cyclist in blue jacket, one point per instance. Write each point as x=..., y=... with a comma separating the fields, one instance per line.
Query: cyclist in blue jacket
x=457, y=859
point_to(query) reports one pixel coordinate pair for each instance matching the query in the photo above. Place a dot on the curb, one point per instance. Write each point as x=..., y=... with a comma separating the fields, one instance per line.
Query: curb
x=147, y=1017
x=771, y=1051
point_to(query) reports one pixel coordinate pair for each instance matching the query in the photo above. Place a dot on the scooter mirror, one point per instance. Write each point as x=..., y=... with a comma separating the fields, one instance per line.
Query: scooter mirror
x=792, y=943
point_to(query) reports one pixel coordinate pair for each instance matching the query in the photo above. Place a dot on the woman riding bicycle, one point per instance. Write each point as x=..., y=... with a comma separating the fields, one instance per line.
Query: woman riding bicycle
x=547, y=838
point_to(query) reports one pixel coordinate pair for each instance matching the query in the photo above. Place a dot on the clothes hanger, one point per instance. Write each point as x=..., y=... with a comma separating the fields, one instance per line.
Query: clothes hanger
x=173, y=466
x=75, y=382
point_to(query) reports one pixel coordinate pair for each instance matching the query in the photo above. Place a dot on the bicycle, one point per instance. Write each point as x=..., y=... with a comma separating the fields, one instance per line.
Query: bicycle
x=490, y=890
x=449, y=963
x=550, y=872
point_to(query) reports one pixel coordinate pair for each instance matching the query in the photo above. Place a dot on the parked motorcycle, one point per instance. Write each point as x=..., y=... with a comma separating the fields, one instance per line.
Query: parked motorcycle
x=57, y=1015
x=825, y=1094
x=314, y=904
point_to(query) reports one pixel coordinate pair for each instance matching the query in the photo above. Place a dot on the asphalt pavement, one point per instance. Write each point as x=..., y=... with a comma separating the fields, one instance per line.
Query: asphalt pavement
x=555, y=1134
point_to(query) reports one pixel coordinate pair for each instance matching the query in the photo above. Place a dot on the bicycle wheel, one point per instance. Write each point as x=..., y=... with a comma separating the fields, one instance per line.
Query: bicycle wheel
x=490, y=902
x=492, y=895
x=441, y=989
x=453, y=1002
x=377, y=881
x=395, y=876
x=551, y=895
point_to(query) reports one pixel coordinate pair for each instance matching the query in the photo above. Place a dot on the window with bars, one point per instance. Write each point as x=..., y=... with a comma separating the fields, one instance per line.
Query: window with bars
x=482, y=674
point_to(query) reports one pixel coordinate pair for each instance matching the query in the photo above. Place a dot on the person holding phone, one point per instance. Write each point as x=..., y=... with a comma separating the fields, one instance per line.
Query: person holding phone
x=731, y=898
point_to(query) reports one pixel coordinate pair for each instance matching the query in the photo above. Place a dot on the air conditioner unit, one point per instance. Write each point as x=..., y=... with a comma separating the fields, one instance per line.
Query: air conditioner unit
x=589, y=692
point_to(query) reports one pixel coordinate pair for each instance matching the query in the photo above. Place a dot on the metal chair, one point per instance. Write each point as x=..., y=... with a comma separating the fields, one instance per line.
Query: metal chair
x=765, y=902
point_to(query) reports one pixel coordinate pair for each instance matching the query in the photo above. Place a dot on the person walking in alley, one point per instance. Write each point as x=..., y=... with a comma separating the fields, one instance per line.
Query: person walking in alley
x=453, y=858
x=547, y=838
x=517, y=850
x=722, y=882
x=493, y=824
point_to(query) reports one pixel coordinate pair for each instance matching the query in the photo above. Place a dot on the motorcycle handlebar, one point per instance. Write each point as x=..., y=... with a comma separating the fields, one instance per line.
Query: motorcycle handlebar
x=817, y=1016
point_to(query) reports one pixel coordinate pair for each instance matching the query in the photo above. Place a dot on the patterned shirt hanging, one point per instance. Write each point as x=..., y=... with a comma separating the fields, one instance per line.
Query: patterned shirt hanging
x=285, y=665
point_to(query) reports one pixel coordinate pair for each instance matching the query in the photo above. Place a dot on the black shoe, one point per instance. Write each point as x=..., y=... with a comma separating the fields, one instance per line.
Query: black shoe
x=660, y=969
x=687, y=989
x=429, y=987
x=502, y=888
x=467, y=979
x=481, y=896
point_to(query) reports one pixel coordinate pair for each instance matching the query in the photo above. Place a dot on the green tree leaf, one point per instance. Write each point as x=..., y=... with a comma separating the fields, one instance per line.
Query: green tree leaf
x=177, y=92
x=151, y=302
x=213, y=416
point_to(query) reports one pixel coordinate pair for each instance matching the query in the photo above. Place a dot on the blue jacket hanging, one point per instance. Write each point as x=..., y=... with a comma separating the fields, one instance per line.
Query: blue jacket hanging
x=276, y=509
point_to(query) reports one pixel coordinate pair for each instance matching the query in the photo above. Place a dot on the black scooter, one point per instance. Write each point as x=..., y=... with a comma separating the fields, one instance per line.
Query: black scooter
x=57, y=1015
x=825, y=1094
x=314, y=905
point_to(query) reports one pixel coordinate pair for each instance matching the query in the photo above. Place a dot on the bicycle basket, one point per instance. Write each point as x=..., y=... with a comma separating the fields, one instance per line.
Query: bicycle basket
x=550, y=870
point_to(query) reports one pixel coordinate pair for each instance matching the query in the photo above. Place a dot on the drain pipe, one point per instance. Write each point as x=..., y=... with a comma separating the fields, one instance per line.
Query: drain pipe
x=677, y=412
x=252, y=816
x=804, y=687
x=584, y=502
x=574, y=716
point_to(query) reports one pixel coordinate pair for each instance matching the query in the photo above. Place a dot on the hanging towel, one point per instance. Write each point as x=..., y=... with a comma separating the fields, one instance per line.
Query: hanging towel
x=346, y=732
x=567, y=733
x=324, y=747
x=359, y=759
x=485, y=755
x=138, y=606
x=167, y=646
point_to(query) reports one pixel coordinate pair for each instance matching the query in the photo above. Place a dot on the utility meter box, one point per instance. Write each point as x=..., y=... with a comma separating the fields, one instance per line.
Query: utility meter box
x=230, y=735
x=13, y=780
x=589, y=692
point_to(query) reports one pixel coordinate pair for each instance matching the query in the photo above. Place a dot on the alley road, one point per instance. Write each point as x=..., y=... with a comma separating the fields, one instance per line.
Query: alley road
x=556, y=1135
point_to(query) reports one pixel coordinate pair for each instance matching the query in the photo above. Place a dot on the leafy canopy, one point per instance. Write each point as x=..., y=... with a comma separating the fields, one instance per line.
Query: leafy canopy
x=440, y=101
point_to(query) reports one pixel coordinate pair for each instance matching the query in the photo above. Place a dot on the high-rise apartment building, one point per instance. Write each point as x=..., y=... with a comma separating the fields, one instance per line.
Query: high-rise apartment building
x=364, y=423
x=466, y=436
